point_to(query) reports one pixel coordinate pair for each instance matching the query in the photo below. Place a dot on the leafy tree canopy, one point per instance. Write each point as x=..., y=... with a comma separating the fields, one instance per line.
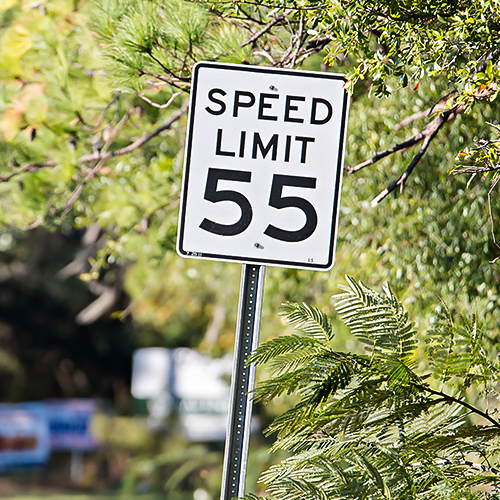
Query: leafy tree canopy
x=390, y=45
x=151, y=47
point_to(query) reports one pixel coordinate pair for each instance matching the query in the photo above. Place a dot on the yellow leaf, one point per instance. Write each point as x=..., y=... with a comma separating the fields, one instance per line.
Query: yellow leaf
x=11, y=120
x=36, y=109
x=33, y=89
x=13, y=46
x=5, y=5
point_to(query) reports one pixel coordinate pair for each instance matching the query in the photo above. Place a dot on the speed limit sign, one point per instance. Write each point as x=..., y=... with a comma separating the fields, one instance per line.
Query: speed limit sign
x=263, y=166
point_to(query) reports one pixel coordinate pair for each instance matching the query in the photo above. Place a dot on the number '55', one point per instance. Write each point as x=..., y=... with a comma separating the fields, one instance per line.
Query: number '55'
x=276, y=200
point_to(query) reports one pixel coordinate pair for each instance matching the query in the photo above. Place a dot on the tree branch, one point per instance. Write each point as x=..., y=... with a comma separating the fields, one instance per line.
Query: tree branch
x=492, y=56
x=429, y=135
x=103, y=114
x=299, y=40
x=267, y=27
x=103, y=157
x=382, y=154
x=78, y=191
x=156, y=105
x=312, y=48
x=452, y=399
x=100, y=158
x=426, y=131
x=492, y=222
x=247, y=17
x=268, y=5
x=138, y=142
x=30, y=167
x=467, y=463
x=474, y=170
x=265, y=54
x=174, y=82
x=421, y=114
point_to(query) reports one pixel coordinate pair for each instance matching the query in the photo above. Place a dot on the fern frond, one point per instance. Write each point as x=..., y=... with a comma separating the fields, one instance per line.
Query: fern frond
x=309, y=320
x=456, y=353
x=283, y=345
x=285, y=383
x=378, y=320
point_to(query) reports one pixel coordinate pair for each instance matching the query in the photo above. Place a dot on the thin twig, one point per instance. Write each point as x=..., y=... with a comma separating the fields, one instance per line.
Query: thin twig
x=248, y=17
x=159, y=106
x=265, y=54
x=285, y=56
x=78, y=191
x=30, y=167
x=429, y=136
x=112, y=135
x=174, y=82
x=102, y=158
x=467, y=463
x=474, y=170
x=266, y=28
x=494, y=125
x=33, y=225
x=138, y=142
x=451, y=399
x=299, y=40
x=157, y=61
x=269, y=5
x=110, y=103
x=492, y=223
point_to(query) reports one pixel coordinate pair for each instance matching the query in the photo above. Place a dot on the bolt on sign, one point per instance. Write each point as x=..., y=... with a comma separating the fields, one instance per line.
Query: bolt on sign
x=263, y=166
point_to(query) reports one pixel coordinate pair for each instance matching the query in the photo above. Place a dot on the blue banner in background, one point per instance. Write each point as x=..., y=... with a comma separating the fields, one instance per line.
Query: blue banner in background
x=24, y=436
x=30, y=431
x=70, y=424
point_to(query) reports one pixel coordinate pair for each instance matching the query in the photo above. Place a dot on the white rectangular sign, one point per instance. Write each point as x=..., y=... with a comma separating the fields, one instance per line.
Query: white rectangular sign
x=263, y=166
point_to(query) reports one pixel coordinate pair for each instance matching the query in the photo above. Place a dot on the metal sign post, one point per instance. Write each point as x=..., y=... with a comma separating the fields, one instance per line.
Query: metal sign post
x=242, y=383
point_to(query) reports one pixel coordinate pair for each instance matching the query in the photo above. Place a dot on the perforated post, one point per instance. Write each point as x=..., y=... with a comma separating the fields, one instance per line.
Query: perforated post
x=242, y=382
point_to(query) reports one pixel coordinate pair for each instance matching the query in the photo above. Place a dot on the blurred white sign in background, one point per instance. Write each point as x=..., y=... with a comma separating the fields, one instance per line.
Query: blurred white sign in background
x=196, y=385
